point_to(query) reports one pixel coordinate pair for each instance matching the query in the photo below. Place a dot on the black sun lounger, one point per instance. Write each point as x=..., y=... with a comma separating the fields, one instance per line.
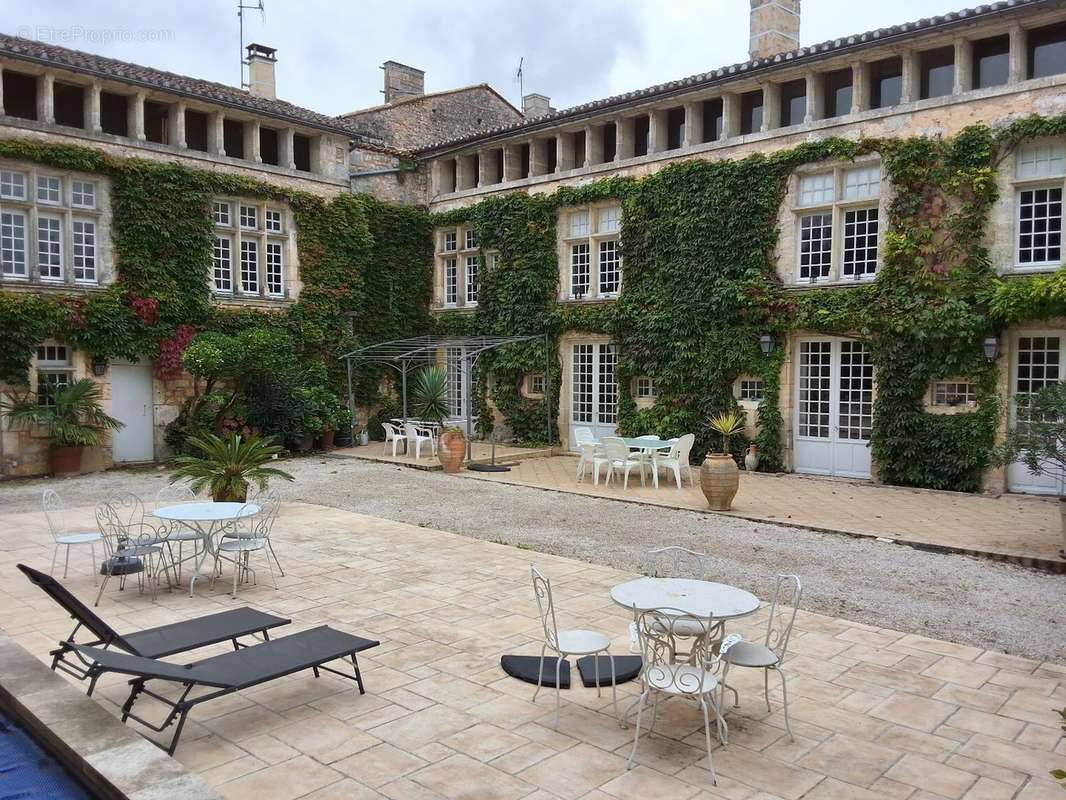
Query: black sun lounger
x=227, y=673
x=166, y=640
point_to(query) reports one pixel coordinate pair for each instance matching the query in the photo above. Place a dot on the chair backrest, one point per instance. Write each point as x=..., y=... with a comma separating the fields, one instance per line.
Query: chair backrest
x=54, y=511
x=120, y=519
x=410, y=430
x=588, y=450
x=583, y=435
x=787, y=592
x=542, y=588
x=391, y=431
x=615, y=448
x=77, y=609
x=676, y=562
x=684, y=447
x=659, y=631
x=174, y=493
x=261, y=524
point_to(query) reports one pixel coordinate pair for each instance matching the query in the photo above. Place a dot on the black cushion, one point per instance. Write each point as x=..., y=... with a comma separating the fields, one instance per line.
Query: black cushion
x=626, y=668
x=525, y=668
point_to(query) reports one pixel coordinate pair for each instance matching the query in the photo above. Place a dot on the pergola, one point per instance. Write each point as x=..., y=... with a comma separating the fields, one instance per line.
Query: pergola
x=403, y=355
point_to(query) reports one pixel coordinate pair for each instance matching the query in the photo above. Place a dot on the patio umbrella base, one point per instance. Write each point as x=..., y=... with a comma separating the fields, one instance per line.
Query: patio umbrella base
x=525, y=669
x=488, y=468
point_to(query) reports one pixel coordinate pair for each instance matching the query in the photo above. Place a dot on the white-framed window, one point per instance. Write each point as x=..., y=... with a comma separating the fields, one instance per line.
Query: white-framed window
x=591, y=252
x=750, y=389
x=49, y=189
x=954, y=393
x=838, y=224
x=50, y=227
x=535, y=383
x=249, y=258
x=458, y=263
x=55, y=371
x=1040, y=172
x=646, y=388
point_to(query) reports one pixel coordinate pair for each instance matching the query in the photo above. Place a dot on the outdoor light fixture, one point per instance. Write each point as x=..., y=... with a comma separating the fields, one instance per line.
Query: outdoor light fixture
x=766, y=344
x=991, y=347
x=99, y=367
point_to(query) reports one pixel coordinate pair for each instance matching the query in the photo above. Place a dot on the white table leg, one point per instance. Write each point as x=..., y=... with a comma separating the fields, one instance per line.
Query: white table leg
x=207, y=539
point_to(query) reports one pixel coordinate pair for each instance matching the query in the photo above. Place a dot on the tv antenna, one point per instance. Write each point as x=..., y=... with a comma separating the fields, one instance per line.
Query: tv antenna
x=241, y=8
x=519, y=77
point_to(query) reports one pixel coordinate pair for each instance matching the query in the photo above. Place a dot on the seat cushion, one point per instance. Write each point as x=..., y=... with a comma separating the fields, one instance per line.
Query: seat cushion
x=579, y=642
x=242, y=544
x=749, y=654
x=682, y=627
x=680, y=679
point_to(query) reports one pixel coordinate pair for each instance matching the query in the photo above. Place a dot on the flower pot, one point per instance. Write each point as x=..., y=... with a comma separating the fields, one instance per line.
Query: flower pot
x=1062, y=513
x=364, y=438
x=751, y=460
x=452, y=450
x=719, y=480
x=328, y=435
x=65, y=461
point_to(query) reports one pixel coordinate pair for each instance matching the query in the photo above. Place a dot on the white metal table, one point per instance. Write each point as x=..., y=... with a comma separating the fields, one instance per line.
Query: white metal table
x=650, y=446
x=208, y=520
x=698, y=598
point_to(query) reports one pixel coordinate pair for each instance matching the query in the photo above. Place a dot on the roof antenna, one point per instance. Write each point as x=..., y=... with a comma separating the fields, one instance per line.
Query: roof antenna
x=519, y=78
x=241, y=8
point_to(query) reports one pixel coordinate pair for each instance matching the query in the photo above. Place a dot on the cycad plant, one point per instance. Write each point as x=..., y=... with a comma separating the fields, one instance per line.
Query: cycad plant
x=430, y=395
x=73, y=415
x=226, y=466
x=728, y=424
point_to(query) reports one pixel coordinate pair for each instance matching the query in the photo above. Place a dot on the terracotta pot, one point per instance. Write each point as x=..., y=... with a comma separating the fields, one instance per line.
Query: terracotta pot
x=452, y=450
x=1062, y=513
x=719, y=480
x=751, y=460
x=328, y=435
x=65, y=461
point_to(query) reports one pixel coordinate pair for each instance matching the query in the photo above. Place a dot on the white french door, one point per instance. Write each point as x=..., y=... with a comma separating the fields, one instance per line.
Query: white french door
x=1038, y=362
x=834, y=407
x=455, y=367
x=593, y=390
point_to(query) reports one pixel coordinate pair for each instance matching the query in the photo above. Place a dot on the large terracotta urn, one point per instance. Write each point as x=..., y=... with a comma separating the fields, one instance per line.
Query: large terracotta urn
x=65, y=461
x=452, y=449
x=719, y=480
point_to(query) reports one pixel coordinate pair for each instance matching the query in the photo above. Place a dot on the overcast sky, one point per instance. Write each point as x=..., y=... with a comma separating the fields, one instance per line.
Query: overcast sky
x=329, y=51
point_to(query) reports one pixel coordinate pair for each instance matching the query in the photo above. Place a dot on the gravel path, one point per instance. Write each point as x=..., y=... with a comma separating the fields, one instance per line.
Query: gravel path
x=954, y=597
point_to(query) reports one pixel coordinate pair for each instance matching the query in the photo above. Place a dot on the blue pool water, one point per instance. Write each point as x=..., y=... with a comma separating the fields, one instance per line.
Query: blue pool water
x=28, y=771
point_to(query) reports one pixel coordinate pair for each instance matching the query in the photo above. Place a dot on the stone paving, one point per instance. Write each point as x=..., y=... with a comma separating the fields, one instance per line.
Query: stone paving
x=876, y=713
x=1015, y=526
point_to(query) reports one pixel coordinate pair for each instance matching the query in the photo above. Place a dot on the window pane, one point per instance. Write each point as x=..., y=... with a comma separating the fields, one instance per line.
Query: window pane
x=579, y=270
x=275, y=269
x=1043, y=160
x=886, y=82
x=838, y=93
x=751, y=112
x=449, y=241
x=609, y=219
x=83, y=194
x=13, y=243
x=49, y=248
x=610, y=268
x=48, y=189
x=83, y=241
x=793, y=102
x=250, y=217
x=991, y=62
x=451, y=286
x=817, y=189
x=860, y=242
x=250, y=266
x=471, y=280
x=273, y=220
x=1039, y=226
x=862, y=183
x=12, y=185
x=1047, y=51
x=223, y=265
x=579, y=224
x=937, y=69
x=816, y=246
x=221, y=213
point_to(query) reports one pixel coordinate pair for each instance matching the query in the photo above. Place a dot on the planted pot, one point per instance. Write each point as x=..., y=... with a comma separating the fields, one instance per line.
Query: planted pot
x=452, y=450
x=65, y=461
x=232, y=497
x=364, y=438
x=328, y=435
x=719, y=480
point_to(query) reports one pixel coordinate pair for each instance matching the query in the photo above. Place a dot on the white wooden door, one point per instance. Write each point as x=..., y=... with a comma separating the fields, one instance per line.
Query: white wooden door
x=457, y=399
x=1038, y=361
x=131, y=403
x=593, y=390
x=834, y=407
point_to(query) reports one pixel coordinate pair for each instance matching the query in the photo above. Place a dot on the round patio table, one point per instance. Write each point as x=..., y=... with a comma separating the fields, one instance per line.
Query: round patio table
x=208, y=520
x=650, y=445
x=698, y=598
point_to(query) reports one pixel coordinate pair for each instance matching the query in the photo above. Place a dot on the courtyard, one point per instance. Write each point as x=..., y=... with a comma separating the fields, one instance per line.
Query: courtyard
x=912, y=674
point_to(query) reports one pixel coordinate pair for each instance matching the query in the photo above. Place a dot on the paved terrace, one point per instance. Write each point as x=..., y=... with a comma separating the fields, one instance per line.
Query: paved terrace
x=877, y=713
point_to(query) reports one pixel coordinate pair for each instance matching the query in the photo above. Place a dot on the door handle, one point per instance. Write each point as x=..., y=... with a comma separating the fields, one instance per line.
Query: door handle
x=144, y=410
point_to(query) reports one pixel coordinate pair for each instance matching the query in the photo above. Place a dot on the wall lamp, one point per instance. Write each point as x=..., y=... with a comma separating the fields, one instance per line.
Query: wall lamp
x=99, y=367
x=766, y=344
x=991, y=348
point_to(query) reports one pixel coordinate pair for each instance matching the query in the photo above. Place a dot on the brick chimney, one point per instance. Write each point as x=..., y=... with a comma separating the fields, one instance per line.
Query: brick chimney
x=536, y=105
x=402, y=82
x=775, y=27
x=261, y=61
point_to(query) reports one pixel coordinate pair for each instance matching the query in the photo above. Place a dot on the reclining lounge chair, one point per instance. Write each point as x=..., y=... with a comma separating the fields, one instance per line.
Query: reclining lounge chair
x=226, y=673
x=166, y=640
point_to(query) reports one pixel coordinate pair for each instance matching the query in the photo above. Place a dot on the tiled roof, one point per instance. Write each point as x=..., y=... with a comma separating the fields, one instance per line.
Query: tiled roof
x=423, y=97
x=756, y=65
x=110, y=68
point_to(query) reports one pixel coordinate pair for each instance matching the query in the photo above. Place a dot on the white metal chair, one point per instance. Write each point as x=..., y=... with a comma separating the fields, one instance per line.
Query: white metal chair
x=393, y=435
x=770, y=655
x=131, y=545
x=55, y=513
x=567, y=642
x=617, y=456
x=256, y=539
x=589, y=449
x=680, y=562
x=417, y=436
x=170, y=495
x=269, y=503
x=677, y=459
x=657, y=631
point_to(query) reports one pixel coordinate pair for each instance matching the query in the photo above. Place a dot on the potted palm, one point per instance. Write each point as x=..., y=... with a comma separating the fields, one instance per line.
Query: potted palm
x=227, y=466
x=719, y=475
x=430, y=402
x=73, y=415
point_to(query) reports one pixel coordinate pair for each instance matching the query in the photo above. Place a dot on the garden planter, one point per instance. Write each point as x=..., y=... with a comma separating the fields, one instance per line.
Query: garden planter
x=364, y=438
x=232, y=497
x=452, y=450
x=719, y=480
x=751, y=460
x=65, y=461
x=328, y=435
x=1062, y=513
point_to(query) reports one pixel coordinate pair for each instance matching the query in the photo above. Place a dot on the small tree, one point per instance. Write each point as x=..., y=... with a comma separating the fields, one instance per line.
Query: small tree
x=74, y=415
x=429, y=396
x=1039, y=438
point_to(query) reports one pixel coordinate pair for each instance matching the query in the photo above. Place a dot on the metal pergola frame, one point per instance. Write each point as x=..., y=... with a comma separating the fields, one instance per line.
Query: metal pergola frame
x=404, y=354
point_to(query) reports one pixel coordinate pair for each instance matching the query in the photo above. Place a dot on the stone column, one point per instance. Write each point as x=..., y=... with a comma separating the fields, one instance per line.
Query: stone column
x=92, y=108
x=815, y=97
x=860, y=88
x=693, y=125
x=771, y=106
x=564, y=154
x=538, y=163
x=963, y=66
x=251, y=142
x=911, y=82
x=216, y=142
x=512, y=162
x=1019, y=55
x=2, y=112
x=46, y=85
x=593, y=145
x=135, y=117
x=657, y=133
x=286, y=150
x=484, y=167
x=319, y=152
x=730, y=115
x=463, y=178
x=177, y=125
x=625, y=138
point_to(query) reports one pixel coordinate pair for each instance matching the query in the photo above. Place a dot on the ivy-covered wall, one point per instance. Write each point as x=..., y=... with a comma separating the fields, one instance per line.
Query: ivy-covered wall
x=700, y=285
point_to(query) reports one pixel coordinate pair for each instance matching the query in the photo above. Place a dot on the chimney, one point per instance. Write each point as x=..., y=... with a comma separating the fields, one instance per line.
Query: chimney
x=536, y=105
x=402, y=82
x=261, y=61
x=775, y=27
